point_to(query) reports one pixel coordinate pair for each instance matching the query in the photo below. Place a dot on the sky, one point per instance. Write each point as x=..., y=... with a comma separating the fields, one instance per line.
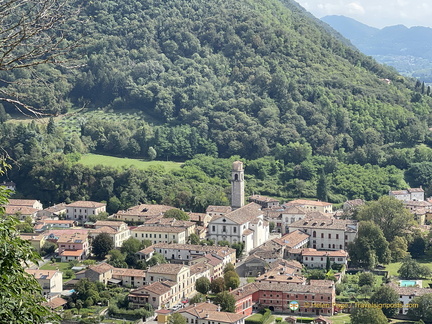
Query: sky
x=375, y=13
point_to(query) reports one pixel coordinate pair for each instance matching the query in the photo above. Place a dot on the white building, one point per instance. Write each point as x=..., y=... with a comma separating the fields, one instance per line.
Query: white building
x=312, y=258
x=81, y=210
x=185, y=253
x=415, y=194
x=118, y=231
x=407, y=294
x=311, y=205
x=36, y=204
x=327, y=233
x=51, y=281
x=245, y=224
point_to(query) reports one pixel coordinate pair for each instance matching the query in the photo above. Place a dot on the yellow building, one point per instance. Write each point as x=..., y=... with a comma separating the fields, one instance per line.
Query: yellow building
x=36, y=241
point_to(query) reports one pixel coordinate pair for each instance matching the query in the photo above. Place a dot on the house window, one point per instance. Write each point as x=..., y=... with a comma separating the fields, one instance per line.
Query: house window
x=314, y=234
x=235, y=229
x=213, y=228
x=322, y=235
x=337, y=236
x=329, y=236
x=224, y=228
x=329, y=246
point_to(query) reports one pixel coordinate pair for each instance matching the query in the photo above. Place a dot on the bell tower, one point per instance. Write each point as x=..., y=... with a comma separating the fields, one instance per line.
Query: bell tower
x=237, y=185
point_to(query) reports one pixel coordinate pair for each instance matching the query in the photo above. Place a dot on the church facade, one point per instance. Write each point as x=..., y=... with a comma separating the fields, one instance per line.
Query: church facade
x=245, y=223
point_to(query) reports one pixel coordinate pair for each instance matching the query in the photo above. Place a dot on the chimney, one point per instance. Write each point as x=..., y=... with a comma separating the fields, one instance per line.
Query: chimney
x=207, y=315
x=219, y=308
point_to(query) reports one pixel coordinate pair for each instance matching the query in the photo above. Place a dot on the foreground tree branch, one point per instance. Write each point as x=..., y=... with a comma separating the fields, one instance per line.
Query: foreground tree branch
x=33, y=32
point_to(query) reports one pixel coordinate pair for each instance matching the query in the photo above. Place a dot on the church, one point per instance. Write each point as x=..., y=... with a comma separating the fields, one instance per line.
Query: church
x=244, y=223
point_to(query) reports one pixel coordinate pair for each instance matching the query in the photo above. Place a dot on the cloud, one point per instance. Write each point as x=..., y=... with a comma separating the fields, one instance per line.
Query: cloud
x=355, y=8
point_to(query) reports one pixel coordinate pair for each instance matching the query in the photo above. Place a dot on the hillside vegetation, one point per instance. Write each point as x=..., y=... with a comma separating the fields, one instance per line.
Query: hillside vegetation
x=244, y=75
x=260, y=79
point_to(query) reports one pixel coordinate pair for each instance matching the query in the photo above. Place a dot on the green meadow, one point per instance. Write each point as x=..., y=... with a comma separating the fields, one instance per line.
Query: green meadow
x=118, y=162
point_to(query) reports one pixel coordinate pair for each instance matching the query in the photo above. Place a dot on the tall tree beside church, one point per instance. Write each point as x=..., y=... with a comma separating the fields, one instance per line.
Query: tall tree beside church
x=322, y=187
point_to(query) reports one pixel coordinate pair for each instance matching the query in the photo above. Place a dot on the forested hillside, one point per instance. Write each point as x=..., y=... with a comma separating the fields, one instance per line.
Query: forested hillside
x=253, y=78
x=244, y=75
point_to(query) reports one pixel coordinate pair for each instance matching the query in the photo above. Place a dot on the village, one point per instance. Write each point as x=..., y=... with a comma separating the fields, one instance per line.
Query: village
x=272, y=248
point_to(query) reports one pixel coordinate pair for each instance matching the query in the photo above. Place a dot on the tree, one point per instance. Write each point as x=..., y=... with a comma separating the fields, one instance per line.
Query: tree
x=272, y=226
x=33, y=33
x=423, y=312
x=232, y=280
x=152, y=153
x=367, y=314
x=398, y=248
x=322, y=187
x=157, y=258
x=101, y=245
x=316, y=274
x=113, y=205
x=389, y=214
x=226, y=301
x=370, y=246
x=194, y=239
x=386, y=295
x=202, y=285
x=79, y=304
x=130, y=246
x=177, y=318
x=51, y=126
x=198, y=298
x=223, y=243
x=239, y=247
x=366, y=278
x=217, y=285
x=177, y=214
x=117, y=259
x=417, y=247
x=328, y=265
x=228, y=267
x=48, y=248
x=20, y=294
x=411, y=269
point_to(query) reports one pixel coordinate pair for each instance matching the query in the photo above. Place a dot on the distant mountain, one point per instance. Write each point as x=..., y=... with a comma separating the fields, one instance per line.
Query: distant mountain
x=406, y=49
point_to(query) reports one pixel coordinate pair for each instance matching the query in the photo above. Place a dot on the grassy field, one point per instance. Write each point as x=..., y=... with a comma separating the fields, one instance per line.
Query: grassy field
x=116, y=162
x=341, y=319
x=62, y=266
x=392, y=268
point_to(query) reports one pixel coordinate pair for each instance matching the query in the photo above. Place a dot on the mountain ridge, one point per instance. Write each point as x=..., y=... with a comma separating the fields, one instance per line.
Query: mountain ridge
x=392, y=45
